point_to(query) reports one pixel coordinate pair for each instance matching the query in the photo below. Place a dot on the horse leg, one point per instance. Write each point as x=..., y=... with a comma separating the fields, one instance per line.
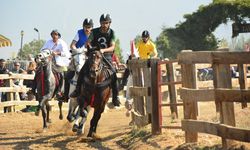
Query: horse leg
x=60, y=102
x=48, y=110
x=94, y=122
x=72, y=107
x=44, y=114
x=83, y=120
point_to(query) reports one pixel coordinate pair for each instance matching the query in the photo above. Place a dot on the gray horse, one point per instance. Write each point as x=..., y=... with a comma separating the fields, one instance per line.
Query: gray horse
x=46, y=85
x=78, y=59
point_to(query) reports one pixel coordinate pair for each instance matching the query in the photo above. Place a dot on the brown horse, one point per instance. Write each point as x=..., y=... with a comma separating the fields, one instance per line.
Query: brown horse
x=95, y=90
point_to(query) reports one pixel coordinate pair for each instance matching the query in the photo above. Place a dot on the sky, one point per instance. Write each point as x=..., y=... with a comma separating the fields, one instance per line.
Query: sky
x=129, y=18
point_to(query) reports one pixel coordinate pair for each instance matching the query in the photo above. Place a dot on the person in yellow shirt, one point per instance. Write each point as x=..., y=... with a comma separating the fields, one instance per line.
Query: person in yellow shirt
x=146, y=48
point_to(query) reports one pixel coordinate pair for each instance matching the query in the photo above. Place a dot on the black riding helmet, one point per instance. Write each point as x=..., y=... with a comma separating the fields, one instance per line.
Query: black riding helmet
x=145, y=34
x=88, y=22
x=105, y=17
x=55, y=31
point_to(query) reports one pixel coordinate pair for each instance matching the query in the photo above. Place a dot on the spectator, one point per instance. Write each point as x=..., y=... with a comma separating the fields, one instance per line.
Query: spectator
x=30, y=70
x=246, y=47
x=3, y=70
x=18, y=70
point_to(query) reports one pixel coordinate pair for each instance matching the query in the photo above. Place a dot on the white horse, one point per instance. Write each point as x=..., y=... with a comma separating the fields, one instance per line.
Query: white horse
x=78, y=59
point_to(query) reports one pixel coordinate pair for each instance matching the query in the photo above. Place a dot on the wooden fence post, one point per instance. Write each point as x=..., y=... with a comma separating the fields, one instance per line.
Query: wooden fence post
x=190, y=108
x=10, y=95
x=156, y=116
x=223, y=80
x=243, y=80
x=172, y=90
x=139, y=116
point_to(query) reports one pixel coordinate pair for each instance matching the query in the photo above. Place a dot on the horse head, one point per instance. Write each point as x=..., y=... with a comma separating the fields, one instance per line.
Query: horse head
x=44, y=57
x=95, y=62
x=78, y=57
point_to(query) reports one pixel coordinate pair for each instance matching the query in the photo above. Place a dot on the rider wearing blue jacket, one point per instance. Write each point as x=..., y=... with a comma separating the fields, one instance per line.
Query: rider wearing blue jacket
x=78, y=42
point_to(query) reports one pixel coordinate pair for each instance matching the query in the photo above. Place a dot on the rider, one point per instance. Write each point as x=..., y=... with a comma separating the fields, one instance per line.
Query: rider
x=78, y=42
x=103, y=37
x=146, y=48
x=60, y=53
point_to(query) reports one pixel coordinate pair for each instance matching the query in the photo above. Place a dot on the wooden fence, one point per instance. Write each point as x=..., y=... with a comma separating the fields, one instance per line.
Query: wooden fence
x=222, y=94
x=147, y=93
x=13, y=90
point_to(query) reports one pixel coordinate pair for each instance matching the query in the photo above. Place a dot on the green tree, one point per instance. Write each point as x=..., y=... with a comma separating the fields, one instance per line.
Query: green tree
x=32, y=47
x=118, y=50
x=196, y=32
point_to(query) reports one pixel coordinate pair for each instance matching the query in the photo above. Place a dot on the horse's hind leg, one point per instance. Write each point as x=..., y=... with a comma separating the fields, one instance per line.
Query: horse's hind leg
x=60, y=102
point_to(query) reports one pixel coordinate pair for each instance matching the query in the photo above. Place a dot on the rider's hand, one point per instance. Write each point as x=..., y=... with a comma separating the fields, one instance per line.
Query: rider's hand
x=102, y=51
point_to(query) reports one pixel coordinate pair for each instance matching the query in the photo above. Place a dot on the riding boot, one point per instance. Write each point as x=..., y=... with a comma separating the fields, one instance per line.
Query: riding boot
x=67, y=79
x=114, y=85
x=60, y=79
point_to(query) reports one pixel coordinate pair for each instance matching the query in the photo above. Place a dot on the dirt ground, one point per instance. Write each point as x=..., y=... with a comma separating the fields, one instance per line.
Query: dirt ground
x=24, y=131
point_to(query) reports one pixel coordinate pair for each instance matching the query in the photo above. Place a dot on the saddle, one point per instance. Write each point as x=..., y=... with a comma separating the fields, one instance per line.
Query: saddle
x=40, y=74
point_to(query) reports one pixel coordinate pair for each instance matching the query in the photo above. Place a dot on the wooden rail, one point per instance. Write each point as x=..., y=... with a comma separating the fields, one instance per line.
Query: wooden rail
x=222, y=94
x=147, y=94
x=12, y=90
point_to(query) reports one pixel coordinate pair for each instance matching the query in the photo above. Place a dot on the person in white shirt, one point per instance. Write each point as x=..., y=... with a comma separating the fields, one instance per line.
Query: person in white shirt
x=59, y=49
x=61, y=54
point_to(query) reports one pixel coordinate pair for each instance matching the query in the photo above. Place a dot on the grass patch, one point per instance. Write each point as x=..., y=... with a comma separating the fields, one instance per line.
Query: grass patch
x=135, y=135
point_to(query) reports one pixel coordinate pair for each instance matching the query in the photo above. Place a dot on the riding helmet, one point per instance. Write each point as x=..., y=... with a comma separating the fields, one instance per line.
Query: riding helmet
x=145, y=34
x=105, y=17
x=88, y=22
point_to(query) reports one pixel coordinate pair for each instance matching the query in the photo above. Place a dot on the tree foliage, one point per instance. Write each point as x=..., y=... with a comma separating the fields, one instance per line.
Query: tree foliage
x=196, y=32
x=118, y=50
x=32, y=47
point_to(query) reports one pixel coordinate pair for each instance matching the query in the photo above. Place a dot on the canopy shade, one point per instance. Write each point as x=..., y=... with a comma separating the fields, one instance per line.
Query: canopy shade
x=4, y=41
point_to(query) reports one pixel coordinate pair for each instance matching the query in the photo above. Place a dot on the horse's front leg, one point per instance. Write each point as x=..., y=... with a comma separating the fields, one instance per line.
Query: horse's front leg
x=94, y=122
x=82, y=118
x=48, y=120
x=72, y=107
x=44, y=114
x=60, y=103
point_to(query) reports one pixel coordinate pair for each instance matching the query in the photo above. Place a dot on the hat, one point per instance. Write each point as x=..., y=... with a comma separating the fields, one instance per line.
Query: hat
x=55, y=31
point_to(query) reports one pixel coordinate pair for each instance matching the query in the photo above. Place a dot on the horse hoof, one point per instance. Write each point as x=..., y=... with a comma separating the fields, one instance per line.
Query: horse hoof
x=75, y=128
x=37, y=112
x=49, y=121
x=45, y=129
x=61, y=117
x=96, y=137
x=79, y=132
x=70, y=118
x=89, y=135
